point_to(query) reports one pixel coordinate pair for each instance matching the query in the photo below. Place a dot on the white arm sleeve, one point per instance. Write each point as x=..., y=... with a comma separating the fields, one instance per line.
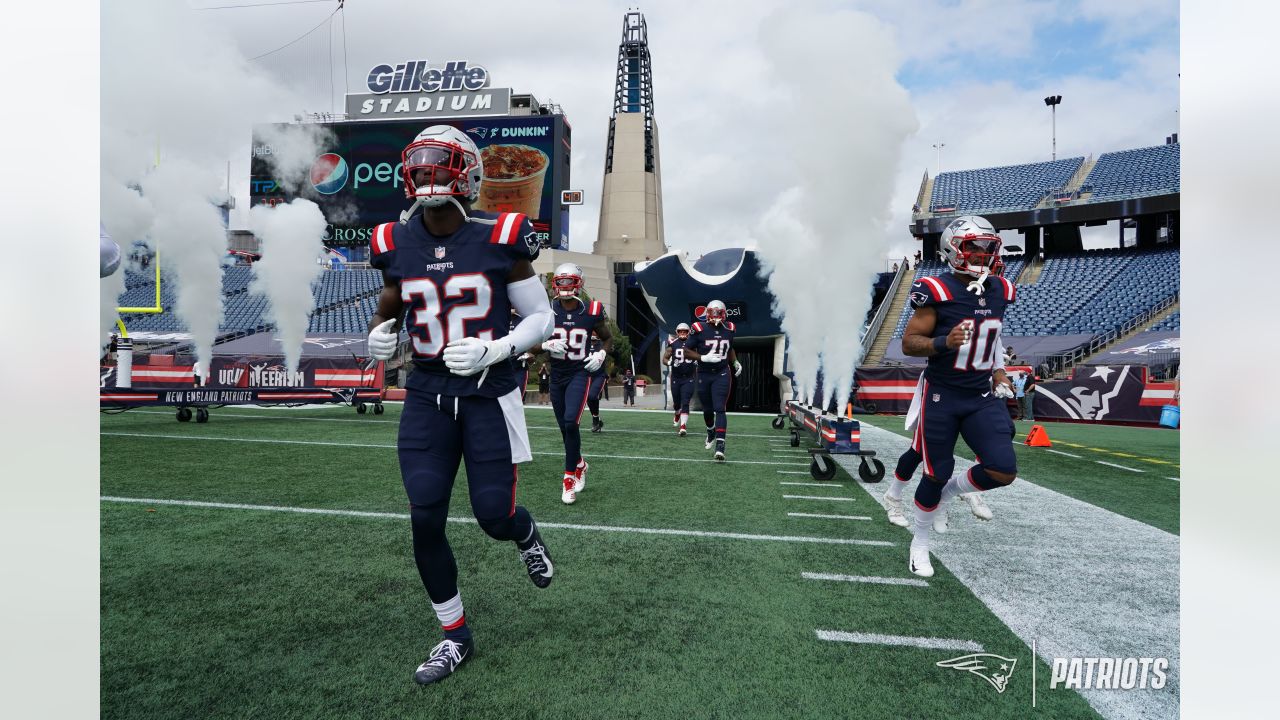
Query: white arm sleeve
x=999, y=354
x=529, y=299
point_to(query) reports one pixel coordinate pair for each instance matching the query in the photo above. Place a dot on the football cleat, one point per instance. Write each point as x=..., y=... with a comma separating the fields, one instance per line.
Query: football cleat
x=919, y=562
x=444, y=659
x=711, y=438
x=537, y=560
x=569, y=495
x=580, y=476
x=682, y=431
x=719, y=451
x=977, y=505
x=675, y=422
x=894, y=507
x=940, y=519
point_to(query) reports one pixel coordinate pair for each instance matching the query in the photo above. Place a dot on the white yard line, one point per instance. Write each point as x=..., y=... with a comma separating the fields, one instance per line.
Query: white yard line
x=830, y=517
x=270, y=441
x=1025, y=565
x=899, y=640
x=1174, y=479
x=913, y=582
x=1059, y=452
x=817, y=497
x=812, y=484
x=793, y=472
x=471, y=521
x=1122, y=467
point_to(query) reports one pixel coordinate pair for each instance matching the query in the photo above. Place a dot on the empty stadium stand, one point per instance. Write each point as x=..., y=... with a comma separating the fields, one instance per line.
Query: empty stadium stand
x=1000, y=188
x=1137, y=172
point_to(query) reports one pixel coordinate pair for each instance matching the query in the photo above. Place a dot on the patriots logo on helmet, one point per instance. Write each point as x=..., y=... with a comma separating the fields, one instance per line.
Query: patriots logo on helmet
x=995, y=669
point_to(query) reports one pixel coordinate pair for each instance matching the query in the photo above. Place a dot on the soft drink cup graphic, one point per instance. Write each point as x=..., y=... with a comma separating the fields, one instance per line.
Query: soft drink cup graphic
x=513, y=179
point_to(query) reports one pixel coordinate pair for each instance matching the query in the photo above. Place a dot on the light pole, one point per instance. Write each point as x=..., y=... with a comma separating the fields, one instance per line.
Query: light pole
x=1053, y=101
x=938, y=147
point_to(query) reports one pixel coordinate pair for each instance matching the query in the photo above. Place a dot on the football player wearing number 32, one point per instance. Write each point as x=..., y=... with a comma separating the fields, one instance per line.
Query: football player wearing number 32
x=956, y=325
x=711, y=345
x=572, y=364
x=459, y=274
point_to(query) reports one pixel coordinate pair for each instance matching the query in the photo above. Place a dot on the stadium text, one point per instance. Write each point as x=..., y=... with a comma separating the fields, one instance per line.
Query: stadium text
x=417, y=76
x=480, y=101
x=1106, y=673
x=209, y=396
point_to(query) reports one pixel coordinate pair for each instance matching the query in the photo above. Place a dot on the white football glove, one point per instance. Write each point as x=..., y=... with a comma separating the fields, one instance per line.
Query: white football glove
x=469, y=356
x=737, y=368
x=383, y=341
x=594, y=361
x=712, y=357
x=556, y=347
x=1003, y=391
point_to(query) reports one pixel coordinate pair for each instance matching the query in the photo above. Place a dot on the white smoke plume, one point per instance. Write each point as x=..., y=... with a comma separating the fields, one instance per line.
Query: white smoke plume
x=130, y=218
x=178, y=101
x=291, y=237
x=823, y=240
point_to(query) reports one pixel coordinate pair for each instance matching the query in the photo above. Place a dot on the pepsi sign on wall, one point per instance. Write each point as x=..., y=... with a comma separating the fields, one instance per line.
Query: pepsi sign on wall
x=357, y=181
x=734, y=311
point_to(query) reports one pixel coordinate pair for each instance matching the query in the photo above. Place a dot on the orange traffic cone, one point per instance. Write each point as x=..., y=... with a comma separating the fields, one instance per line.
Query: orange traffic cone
x=1037, y=437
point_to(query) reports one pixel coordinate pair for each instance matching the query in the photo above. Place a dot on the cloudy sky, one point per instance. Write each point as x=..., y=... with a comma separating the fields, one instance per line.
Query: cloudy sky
x=975, y=70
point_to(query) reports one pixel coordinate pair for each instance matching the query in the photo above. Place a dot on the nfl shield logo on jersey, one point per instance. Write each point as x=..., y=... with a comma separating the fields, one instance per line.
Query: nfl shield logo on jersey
x=439, y=252
x=936, y=397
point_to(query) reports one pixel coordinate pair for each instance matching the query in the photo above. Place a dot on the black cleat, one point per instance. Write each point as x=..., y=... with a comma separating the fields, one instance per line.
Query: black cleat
x=719, y=450
x=596, y=424
x=537, y=560
x=445, y=658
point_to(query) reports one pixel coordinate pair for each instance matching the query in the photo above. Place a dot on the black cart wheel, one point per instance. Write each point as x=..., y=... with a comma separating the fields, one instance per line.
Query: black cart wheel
x=777, y=423
x=822, y=468
x=795, y=439
x=869, y=406
x=362, y=408
x=872, y=472
x=184, y=414
x=202, y=415
x=378, y=409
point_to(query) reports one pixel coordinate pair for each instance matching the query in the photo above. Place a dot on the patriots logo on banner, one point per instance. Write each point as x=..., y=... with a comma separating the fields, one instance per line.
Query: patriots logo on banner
x=439, y=252
x=1173, y=344
x=995, y=669
x=481, y=132
x=330, y=343
x=1096, y=392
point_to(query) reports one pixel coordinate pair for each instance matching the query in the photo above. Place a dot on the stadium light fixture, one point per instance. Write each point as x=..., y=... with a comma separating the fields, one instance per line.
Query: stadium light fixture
x=1053, y=101
x=938, y=147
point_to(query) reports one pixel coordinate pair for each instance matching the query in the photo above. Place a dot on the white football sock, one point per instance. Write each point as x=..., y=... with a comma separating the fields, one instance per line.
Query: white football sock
x=895, y=488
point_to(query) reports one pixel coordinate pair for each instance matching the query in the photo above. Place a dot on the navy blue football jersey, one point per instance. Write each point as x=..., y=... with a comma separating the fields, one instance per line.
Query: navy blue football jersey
x=705, y=338
x=682, y=368
x=574, y=325
x=968, y=367
x=454, y=287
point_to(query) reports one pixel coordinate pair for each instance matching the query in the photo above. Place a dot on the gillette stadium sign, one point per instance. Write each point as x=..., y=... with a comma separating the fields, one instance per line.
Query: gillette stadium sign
x=415, y=89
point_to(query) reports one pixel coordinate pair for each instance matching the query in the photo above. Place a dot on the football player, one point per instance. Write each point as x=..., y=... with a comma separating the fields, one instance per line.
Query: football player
x=598, y=379
x=572, y=363
x=956, y=324
x=710, y=344
x=684, y=375
x=459, y=273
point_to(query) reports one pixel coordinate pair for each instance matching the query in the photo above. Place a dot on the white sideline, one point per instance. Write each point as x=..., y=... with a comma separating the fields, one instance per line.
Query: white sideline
x=813, y=484
x=1059, y=452
x=1122, y=467
x=913, y=582
x=899, y=640
x=831, y=517
x=272, y=441
x=472, y=521
x=817, y=497
x=1077, y=579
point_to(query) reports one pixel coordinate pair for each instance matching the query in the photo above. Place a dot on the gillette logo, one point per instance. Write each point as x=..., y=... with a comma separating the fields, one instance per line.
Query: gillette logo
x=417, y=76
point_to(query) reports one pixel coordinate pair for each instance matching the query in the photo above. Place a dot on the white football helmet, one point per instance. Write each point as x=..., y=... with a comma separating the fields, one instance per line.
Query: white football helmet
x=682, y=330
x=452, y=164
x=567, y=281
x=716, y=312
x=970, y=244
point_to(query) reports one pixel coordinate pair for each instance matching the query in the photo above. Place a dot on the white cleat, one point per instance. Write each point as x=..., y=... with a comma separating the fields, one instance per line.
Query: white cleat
x=682, y=432
x=977, y=505
x=581, y=474
x=894, y=507
x=675, y=423
x=940, y=520
x=919, y=563
x=569, y=497
x=711, y=442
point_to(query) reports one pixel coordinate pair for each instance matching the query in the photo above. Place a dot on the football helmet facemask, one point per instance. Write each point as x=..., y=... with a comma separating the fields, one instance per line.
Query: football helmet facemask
x=716, y=312
x=682, y=331
x=971, y=245
x=567, y=280
x=451, y=162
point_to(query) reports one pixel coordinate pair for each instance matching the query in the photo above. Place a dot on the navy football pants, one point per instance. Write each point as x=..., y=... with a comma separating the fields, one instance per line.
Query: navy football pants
x=593, y=393
x=983, y=422
x=682, y=393
x=437, y=432
x=568, y=398
x=713, y=393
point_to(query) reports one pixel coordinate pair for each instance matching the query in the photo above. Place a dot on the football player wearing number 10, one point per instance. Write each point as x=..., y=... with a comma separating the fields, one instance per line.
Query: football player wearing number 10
x=459, y=274
x=956, y=325
x=572, y=364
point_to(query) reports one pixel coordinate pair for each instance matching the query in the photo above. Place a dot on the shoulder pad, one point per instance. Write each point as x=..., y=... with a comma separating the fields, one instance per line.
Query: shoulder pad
x=383, y=239
x=1010, y=290
x=697, y=327
x=506, y=228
